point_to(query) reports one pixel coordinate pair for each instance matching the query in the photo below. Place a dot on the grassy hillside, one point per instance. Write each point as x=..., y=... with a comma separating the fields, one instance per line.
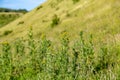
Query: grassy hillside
x=7, y=17
x=63, y=40
x=98, y=17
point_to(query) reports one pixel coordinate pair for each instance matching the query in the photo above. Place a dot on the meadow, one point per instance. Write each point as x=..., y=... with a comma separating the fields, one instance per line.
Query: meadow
x=68, y=40
x=8, y=15
x=40, y=59
x=6, y=18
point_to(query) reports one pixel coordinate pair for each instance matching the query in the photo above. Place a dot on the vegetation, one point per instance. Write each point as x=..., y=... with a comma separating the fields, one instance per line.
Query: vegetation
x=75, y=1
x=99, y=18
x=8, y=15
x=13, y=10
x=7, y=32
x=41, y=59
x=39, y=7
x=55, y=20
x=63, y=52
x=21, y=22
x=6, y=18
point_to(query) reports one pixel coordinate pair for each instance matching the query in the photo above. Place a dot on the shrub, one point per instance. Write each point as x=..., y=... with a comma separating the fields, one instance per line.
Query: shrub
x=55, y=20
x=39, y=7
x=75, y=1
x=7, y=32
x=68, y=14
x=21, y=22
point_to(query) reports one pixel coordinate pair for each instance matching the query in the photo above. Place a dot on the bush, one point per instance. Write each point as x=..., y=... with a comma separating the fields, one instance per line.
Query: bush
x=39, y=7
x=7, y=32
x=75, y=1
x=21, y=22
x=68, y=14
x=55, y=20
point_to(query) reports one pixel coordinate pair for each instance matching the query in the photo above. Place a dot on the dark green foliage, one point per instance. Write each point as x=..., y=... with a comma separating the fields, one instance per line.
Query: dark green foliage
x=55, y=20
x=7, y=32
x=39, y=7
x=13, y=10
x=21, y=11
x=75, y=1
x=21, y=22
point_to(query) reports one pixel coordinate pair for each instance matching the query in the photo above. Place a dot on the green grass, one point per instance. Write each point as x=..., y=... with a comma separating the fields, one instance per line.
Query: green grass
x=66, y=51
x=41, y=59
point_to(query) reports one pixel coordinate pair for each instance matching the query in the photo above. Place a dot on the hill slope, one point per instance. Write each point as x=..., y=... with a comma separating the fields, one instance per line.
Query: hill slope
x=6, y=18
x=98, y=17
x=8, y=15
x=85, y=58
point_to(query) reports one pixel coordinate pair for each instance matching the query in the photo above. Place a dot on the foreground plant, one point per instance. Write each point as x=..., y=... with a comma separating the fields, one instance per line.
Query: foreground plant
x=40, y=59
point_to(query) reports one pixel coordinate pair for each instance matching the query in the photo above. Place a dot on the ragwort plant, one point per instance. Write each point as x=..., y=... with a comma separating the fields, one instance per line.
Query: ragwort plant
x=41, y=60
